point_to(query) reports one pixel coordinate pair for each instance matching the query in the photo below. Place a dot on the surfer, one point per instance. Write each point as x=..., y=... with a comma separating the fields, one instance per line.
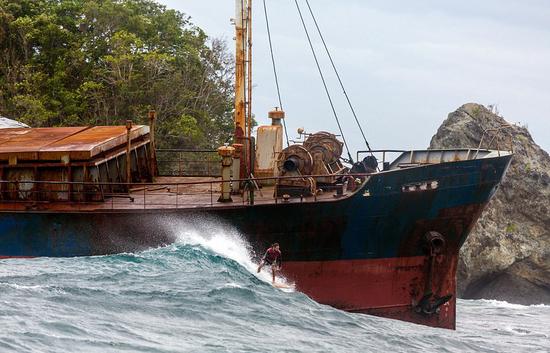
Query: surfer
x=273, y=258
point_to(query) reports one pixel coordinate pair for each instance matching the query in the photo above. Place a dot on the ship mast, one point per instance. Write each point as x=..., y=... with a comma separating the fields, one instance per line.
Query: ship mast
x=243, y=69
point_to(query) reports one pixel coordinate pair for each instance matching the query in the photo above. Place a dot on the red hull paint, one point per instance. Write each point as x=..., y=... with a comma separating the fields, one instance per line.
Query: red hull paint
x=16, y=257
x=382, y=287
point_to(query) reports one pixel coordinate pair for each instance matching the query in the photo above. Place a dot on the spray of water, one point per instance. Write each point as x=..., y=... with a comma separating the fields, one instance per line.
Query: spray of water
x=224, y=240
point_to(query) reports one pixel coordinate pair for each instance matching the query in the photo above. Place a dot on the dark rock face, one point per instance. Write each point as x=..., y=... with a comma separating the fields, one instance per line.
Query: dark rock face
x=507, y=255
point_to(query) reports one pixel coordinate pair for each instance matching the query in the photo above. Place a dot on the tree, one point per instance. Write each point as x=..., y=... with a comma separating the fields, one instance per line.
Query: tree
x=86, y=62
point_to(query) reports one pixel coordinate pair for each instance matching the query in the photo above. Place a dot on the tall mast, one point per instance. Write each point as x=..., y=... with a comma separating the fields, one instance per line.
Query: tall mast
x=243, y=38
x=249, y=73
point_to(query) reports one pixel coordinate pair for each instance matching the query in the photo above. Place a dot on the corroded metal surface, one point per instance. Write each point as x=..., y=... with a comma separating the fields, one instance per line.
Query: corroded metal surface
x=27, y=146
x=269, y=144
x=381, y=287
x=295, y=158
x=325, y=144
x=78, y=143
x=9, y=133
x=91, y=142
x=295, y=161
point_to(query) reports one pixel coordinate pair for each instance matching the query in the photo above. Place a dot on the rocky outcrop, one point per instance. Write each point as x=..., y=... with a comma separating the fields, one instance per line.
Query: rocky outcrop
x=507, y=255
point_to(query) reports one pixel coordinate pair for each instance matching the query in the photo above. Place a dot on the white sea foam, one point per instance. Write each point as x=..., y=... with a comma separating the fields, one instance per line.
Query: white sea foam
x=22, y=287
x=505, y=304
x=224, y=241
x=232, y=285
x=31, y=288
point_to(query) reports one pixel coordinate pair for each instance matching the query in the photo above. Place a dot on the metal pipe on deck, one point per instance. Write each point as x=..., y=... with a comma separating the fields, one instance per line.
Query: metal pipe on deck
x=226, y=152
x=236, y=168
x=153, y=151
x=128, y=155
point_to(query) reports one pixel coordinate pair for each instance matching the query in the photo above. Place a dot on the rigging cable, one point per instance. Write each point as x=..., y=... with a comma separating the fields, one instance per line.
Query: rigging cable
x=323, y=79
x=275, y=69
x=337, y=75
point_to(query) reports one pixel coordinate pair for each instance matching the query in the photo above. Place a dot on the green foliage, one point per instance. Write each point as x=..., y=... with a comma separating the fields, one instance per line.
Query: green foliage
x=101, y=62
x=511, y=228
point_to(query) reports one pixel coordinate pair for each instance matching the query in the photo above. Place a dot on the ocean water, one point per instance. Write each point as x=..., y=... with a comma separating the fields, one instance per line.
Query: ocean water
x=202, y=294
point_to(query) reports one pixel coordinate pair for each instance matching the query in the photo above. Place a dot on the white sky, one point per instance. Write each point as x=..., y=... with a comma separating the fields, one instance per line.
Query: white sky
x=405, y=64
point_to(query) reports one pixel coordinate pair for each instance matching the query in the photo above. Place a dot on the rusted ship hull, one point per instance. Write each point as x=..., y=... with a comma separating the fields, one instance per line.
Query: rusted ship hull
x=364, y=253
x=383, y=287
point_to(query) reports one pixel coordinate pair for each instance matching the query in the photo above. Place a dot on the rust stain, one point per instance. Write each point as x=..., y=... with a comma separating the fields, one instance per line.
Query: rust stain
x=91, y=142
x=27, y=146
x=79, y=143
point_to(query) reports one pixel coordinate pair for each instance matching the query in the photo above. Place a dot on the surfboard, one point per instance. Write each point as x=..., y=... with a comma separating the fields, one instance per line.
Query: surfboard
x=282, y=285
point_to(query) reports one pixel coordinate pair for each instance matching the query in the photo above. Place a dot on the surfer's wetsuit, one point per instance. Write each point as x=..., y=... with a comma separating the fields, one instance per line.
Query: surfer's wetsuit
x=272, y=257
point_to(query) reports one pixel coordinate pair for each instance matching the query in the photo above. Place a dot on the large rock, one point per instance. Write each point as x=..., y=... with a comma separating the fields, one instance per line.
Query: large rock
x=507, y=255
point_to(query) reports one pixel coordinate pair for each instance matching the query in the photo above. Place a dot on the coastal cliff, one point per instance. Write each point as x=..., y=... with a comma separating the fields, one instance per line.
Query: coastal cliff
x=507, y=255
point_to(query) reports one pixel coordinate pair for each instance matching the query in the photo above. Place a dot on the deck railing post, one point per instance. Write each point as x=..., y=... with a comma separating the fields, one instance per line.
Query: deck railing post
x=226, y=153
x=251, y=191
x=128, y=155
x=152, y=149
x=180, y=156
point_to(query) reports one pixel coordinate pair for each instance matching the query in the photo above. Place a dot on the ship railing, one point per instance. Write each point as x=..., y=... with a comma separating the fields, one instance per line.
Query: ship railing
x=492, y=139
x=188, y=162
x=31, y=195
x=496, y=138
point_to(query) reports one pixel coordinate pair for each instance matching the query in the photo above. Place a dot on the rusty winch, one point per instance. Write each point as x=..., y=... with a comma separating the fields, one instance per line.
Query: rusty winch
x=293, y=164
x=326, y=151
x=319, y=155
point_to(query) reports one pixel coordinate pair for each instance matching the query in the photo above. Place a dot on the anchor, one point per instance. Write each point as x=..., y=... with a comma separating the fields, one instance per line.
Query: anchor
x=429, y=304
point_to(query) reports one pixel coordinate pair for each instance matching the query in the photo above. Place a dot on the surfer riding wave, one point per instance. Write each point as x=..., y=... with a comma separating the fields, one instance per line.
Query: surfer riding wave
x=273, y=258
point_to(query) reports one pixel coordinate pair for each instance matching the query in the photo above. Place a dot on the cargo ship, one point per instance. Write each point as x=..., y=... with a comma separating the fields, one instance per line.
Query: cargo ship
x=374, y=236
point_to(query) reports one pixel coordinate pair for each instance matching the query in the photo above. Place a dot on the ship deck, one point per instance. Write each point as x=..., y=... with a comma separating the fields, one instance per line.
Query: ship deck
x=187, y=192
x=167, y=193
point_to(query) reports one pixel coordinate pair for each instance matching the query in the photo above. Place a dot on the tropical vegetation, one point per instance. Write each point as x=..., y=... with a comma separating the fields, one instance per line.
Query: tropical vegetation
x=101, y=62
